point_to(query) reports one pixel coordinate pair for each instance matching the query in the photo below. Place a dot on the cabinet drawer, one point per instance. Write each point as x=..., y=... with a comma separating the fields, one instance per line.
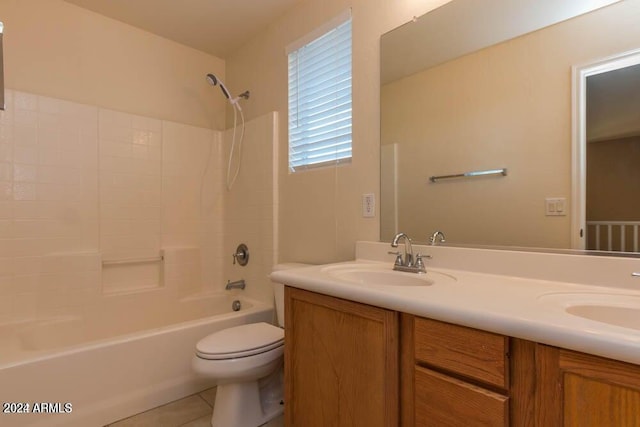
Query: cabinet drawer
x=469, y=352
x=444, y=401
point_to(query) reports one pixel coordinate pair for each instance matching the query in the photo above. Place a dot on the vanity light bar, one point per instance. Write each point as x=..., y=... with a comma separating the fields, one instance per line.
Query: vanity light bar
x=502, y=172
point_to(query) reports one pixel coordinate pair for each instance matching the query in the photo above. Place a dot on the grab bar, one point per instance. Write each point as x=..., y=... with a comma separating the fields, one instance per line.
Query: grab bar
x=502, y=172
x=132, y=261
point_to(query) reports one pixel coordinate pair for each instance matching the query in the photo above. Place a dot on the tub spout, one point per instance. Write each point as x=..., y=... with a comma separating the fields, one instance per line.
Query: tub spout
x=238, y=284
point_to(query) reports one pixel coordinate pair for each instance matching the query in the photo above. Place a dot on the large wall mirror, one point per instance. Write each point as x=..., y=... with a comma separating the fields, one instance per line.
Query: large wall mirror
x=478, y=86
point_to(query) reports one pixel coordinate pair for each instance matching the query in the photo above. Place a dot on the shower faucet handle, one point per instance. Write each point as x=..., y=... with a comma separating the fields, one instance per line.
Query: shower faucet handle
x=241, y=255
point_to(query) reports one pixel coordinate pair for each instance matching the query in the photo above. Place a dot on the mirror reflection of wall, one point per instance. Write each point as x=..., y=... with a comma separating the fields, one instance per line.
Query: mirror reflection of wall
x=613, y=160
x=508, y=105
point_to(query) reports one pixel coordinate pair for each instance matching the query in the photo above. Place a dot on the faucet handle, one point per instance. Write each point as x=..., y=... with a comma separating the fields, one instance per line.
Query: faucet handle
x=420, y=263
x=398, y=257
x=241, y=255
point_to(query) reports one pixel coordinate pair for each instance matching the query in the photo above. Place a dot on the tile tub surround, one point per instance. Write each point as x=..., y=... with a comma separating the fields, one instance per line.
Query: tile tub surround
x=78, y=182
x=80, y=185
x=498, y=291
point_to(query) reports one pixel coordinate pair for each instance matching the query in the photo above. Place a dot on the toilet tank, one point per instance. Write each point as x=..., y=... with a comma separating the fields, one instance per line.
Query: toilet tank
x=278, y=289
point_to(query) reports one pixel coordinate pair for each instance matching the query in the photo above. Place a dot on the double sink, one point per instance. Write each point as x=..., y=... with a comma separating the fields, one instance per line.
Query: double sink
x=617, y=309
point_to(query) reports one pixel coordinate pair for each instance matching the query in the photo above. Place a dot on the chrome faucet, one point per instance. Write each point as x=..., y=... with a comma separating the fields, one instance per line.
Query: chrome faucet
x=406, y=262
x=238, y=284
x=436, y=237
x=408, y=249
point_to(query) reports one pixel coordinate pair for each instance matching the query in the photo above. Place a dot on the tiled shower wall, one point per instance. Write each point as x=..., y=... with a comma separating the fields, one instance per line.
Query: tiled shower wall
x=80, y=184
x=250, y=207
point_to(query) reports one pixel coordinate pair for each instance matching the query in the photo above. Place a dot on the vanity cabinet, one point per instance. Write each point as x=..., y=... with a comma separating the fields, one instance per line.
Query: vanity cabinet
x=458, y=376
x=577, y=389
x=341, y=362
x=348, y=363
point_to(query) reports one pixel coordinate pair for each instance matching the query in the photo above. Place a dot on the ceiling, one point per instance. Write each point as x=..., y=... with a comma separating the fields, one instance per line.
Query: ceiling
x=217, y=27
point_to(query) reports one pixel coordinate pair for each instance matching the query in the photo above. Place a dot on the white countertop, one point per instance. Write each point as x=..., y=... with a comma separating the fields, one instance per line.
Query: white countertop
x=520, y=307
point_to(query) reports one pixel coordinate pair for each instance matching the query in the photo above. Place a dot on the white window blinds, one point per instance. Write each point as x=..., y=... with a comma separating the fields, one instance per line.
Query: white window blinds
x=320, y=100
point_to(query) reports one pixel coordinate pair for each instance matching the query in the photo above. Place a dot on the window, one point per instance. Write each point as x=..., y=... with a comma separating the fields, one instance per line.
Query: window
x=320, y=97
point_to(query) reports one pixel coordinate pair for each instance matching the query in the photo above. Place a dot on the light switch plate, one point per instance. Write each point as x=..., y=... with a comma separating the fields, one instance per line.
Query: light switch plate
x=555, y=206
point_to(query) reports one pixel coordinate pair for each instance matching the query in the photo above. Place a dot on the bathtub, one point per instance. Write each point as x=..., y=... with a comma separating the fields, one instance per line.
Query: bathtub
x=100, y=366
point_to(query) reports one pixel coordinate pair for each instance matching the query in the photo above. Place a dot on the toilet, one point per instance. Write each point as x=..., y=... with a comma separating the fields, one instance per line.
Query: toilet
x=246, y=362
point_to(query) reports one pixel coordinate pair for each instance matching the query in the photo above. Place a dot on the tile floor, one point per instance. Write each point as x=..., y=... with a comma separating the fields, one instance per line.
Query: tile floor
x=191, y=411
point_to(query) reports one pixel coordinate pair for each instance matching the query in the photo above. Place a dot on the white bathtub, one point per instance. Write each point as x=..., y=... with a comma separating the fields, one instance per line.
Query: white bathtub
x=106, y=365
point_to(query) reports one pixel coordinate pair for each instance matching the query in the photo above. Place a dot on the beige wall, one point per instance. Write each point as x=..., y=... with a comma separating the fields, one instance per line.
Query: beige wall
x=56, y=49
x=320, y=210
x=104, y=66
x=504, y=106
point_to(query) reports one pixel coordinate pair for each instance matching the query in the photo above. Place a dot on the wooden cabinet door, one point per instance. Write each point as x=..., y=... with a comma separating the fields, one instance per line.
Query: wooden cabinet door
x=443, y=401
x=454, y=376
x=580, y=390
x=341, y=362
x=468, y=352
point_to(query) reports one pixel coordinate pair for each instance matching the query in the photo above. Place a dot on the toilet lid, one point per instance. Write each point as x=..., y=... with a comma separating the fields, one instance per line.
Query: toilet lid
x=240, y=341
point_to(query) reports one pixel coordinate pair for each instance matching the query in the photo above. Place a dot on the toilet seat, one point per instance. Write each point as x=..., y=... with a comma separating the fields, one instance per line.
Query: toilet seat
x=240, y=341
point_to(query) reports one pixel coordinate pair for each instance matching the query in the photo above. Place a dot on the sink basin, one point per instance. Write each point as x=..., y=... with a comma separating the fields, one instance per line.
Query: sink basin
x=613, y=309
x=627, y=317
x=373, y=274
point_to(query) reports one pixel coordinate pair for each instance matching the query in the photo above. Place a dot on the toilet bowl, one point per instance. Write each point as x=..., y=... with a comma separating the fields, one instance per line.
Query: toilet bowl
x=246, y=362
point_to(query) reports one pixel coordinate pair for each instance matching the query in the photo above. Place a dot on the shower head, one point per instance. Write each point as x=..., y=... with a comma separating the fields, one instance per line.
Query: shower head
x=214, y=81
